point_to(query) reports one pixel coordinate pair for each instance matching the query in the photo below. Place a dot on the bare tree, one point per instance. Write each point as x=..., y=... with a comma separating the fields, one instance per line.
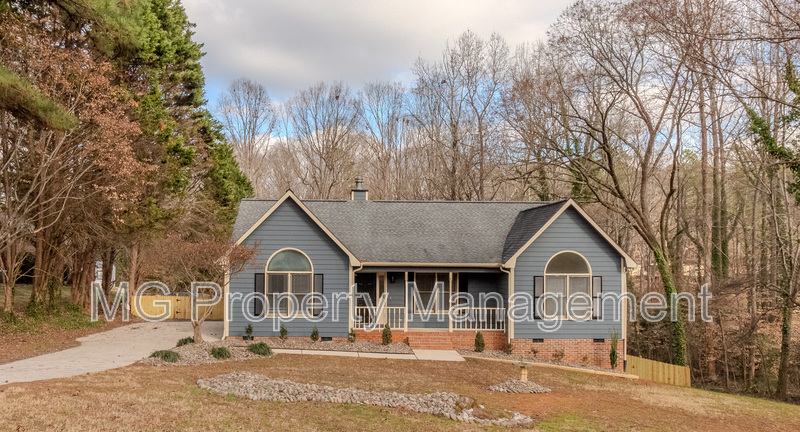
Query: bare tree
x=249, y=120
x=320, y=125
x=455, y=106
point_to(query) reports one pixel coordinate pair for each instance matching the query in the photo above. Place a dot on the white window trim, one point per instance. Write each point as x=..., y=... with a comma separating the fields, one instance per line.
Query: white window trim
x=567, y=276
x=288, y=274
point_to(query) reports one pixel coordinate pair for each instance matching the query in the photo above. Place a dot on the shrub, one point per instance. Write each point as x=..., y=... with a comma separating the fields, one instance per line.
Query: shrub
x=166, y=355
x=351, y=337
x=479, y=344
x=284, y=332
x=508, y=348
x=386, y=335
x=534, y=351
x=261, y=349
x=613, y=354
x=220, y=353
x=10, y=318
x=186, y=341
x=249, y=331
x=314, y=334
x=35, y=311
x=558, y=355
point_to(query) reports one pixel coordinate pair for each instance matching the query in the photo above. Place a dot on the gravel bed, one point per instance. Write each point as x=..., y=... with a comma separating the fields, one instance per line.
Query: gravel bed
x=516, y=357
x=200, y=353
x=259, y=387
x=517, y=386
x=357, y=346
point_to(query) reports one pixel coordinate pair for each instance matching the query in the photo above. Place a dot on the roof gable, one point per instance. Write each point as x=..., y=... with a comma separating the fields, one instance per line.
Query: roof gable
x=290, y=196
x=527, y=223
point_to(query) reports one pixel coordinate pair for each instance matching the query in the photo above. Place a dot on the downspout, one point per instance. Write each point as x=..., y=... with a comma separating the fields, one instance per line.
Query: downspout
x=509, y=322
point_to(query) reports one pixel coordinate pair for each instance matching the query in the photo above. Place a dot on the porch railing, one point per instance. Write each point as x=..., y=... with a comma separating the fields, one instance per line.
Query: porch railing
x=474, y=319
x=394, y=316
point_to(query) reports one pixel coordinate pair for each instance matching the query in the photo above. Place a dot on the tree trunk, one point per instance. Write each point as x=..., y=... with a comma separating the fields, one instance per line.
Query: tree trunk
x=198, y=334
x=109, y=256
x=133, y=270
x=786, y=340
x=678, y=329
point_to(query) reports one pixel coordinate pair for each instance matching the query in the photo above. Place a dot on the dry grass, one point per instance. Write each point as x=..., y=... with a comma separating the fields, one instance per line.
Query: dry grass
x=153, y=398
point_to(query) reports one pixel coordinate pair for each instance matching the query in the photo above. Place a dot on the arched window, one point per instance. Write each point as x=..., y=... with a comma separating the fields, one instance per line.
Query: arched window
x=567, y=273
x=289, y=271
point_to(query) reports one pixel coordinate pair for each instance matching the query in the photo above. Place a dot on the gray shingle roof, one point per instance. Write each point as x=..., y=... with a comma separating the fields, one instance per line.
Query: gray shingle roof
x=420, y=231
x=528, y=223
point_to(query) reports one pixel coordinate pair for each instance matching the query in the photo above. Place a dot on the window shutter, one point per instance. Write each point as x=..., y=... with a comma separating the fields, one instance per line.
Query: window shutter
x=597, y=296
x=258, y=307
x=319, y=287
x=538, y=291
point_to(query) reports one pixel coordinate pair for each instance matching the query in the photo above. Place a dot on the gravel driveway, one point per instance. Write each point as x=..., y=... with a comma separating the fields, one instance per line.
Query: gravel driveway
x=107, y=350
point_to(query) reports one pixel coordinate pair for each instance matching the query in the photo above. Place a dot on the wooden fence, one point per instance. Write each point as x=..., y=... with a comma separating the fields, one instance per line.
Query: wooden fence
x=180, y=307
x=659, y=372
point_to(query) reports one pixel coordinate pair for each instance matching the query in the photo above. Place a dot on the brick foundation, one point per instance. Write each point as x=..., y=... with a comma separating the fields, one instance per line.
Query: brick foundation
x=585, y=351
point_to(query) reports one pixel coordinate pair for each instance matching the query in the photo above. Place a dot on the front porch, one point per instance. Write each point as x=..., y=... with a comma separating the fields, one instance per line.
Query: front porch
x=418, y=300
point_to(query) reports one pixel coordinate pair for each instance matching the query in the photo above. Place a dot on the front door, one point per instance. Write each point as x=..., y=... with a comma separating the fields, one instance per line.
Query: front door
x=371, y=285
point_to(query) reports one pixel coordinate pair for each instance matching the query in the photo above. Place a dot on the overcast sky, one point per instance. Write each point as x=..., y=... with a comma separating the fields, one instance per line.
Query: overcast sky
x=289, y=45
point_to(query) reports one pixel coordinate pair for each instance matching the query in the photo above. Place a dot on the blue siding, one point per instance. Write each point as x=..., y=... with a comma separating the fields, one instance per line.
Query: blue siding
x=289, y=226
x=570, y=232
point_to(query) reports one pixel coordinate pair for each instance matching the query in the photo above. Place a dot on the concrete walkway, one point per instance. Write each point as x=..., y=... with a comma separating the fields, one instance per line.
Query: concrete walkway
x=346, y=354
x=107, y=350
x=435, y=355
x=128, y=344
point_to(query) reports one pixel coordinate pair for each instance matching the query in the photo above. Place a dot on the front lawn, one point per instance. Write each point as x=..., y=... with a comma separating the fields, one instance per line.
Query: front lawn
x=144, y=397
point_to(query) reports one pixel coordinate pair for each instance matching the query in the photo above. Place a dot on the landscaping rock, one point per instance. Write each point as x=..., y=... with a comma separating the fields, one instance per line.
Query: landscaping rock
x=259, y=387
x=200, y=353
x=358, y=346
x=517, y=386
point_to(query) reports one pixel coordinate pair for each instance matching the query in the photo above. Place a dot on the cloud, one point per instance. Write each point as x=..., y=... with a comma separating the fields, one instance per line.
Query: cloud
x=289, y=45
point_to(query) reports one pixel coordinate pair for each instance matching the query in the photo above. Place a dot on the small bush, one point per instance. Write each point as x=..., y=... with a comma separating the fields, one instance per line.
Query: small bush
x=386, y=336
x=284, y=333
x=35, y=311
x=249, y=331
x=261, y=349
x=480, y=345
x=558, y=355
x=508, y=348
x=351, y=337
x=10, y=318
x=185, y=341
x=314, y=334
x=613, y=354
x=220, y=353
x=166, y=355
x=534, y=351
x=73, y=318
